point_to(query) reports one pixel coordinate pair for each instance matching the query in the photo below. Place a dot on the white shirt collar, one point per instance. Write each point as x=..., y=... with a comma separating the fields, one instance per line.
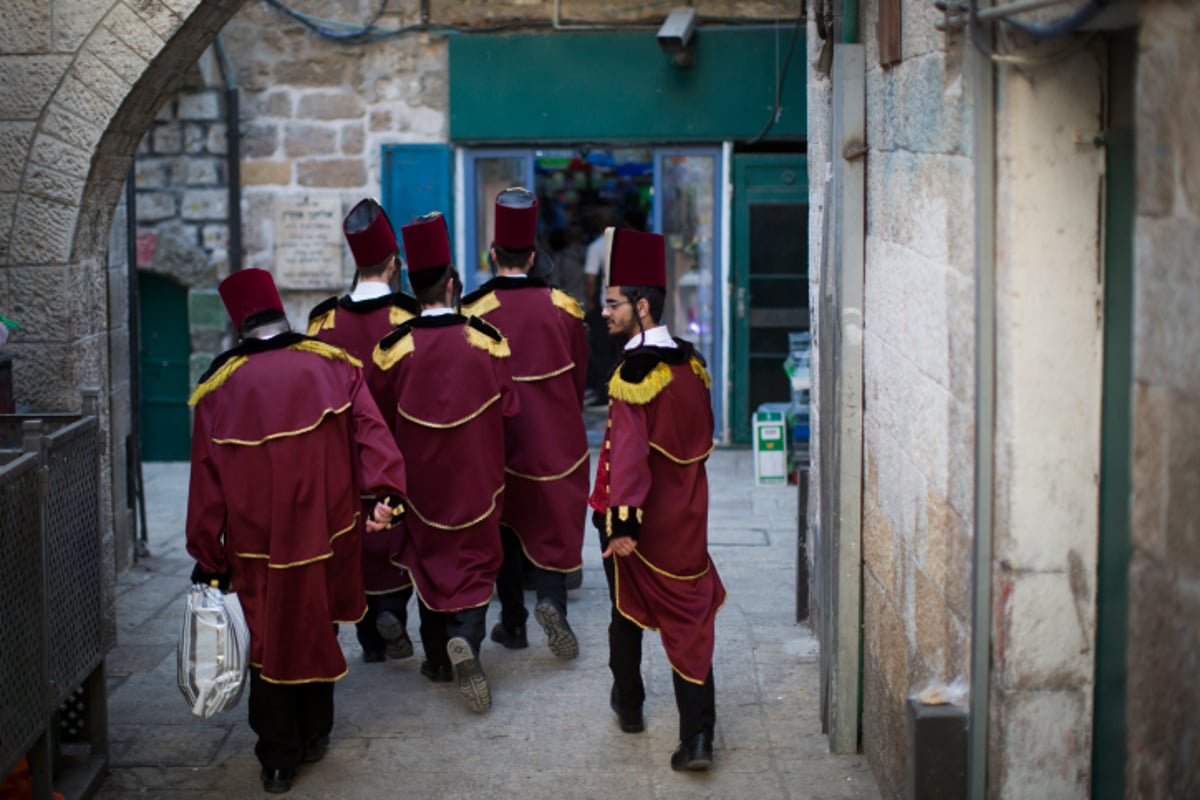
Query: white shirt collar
x=654, y=337
x=436, y=312
x=369, y=290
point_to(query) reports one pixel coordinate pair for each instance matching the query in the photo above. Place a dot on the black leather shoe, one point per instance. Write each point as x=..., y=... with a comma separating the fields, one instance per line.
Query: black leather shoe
x=314, y=749
x=631, y=721
x=440, y=674
x=514, y=639
x=389, y=626
x=277, y=781
x=695, y=754
x=559, y=635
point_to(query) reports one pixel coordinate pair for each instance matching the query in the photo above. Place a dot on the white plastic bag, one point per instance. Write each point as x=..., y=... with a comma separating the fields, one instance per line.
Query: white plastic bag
x=214, y=650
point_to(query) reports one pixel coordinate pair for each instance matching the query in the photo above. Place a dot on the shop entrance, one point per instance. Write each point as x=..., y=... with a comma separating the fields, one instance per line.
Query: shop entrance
x=582, y=190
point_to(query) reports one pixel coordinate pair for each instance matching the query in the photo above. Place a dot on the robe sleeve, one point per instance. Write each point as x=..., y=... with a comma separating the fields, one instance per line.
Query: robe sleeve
x=206, y=501
x=381, y=464
x=628, y=468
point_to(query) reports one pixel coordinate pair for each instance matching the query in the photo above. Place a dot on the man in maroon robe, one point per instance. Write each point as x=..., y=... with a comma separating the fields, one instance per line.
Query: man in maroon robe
x=284, y=424
x=651, y=498
x=545, y=496
x=454, y=394
x=356, y=322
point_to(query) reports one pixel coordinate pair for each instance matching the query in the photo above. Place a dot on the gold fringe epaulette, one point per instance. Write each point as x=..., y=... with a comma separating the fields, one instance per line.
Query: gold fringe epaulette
x=387, y=357
x=477, y=307
x=217, y=379
x=644, y=391
x=567, y=303
x=399, y=316
x=324, y=350
x=701, y=372
x=486, y=337
x=322, y=316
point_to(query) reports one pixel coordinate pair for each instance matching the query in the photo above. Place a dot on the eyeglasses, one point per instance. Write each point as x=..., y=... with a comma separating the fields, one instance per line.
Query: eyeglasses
x=614, y=304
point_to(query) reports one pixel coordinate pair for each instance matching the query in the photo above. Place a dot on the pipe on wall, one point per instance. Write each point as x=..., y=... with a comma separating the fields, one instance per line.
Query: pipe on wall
x=983, y=90
x=233, y=156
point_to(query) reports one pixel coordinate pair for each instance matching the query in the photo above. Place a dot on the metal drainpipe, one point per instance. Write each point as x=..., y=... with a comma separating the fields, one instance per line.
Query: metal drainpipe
x=233, y=160
x=984, y=95
x=850, y=22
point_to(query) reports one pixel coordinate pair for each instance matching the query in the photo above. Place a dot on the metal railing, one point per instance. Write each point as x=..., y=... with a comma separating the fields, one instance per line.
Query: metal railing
x=52, y=646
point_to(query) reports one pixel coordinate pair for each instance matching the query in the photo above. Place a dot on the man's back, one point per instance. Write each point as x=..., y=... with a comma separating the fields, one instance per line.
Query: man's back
x=452, y=390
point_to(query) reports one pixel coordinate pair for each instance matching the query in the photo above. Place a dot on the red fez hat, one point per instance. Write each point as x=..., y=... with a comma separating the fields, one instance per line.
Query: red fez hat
x=426, y=249
x=636, y=258
x=516, y=219
x=369, y=233
x=247, y=292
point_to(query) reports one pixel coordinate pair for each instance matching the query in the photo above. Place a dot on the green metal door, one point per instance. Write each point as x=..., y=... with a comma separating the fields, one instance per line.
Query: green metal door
x=164, y=349
x=770, y=278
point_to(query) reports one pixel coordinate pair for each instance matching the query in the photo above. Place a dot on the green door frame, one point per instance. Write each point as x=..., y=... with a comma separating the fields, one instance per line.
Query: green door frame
x=1112, y=595
x=757, y=180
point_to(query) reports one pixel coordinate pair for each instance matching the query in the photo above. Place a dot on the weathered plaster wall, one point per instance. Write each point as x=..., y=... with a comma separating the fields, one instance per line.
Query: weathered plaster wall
x=1164, y=580
x=1049, y=301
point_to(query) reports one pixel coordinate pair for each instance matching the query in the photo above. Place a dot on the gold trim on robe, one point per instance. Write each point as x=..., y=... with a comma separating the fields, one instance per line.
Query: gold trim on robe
x=283, y=434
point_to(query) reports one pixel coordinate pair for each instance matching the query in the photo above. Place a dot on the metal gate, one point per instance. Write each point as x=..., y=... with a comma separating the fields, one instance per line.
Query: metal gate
x=52, y=643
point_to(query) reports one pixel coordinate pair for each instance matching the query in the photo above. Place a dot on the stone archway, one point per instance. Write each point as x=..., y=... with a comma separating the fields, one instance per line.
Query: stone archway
x=79, y=86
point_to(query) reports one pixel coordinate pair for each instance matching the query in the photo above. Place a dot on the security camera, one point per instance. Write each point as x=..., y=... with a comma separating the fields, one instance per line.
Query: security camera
x=676, y=31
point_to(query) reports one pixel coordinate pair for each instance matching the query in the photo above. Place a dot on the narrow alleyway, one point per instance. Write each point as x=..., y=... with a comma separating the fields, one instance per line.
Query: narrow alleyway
x=550, y=733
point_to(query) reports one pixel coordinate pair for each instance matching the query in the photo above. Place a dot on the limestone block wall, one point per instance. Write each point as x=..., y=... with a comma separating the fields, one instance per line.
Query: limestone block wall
x=74, y=100
x=1164, y=579
x=918, y=353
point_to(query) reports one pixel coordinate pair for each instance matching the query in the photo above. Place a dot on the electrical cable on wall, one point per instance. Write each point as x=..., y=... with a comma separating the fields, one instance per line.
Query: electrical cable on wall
x=968, y=14
x=370, y=32
x=774, y=117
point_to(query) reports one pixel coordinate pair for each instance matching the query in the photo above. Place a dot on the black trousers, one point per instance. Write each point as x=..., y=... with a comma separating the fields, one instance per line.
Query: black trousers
x=439, y=627
x=697, y=703
x=286, y=717
x=395, y=602
x=510, y=583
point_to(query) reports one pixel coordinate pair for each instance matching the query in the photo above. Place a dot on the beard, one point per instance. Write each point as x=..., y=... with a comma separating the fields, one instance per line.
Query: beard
x=619, y=338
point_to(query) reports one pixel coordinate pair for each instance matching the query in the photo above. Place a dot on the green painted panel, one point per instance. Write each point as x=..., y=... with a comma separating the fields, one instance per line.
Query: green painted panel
x=612, y=87
x=165, y=347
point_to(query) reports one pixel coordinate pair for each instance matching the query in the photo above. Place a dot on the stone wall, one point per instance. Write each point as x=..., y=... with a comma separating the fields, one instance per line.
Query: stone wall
x=1164, y=580
x=919, y=395
x=75, y=97
x=918, y=388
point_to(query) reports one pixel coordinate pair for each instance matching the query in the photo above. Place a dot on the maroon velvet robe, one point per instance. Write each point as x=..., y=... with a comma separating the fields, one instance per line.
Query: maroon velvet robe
x=454, y=394
x=547, y=475
x=281, y=429
x=660, y=435
x=356, y=327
